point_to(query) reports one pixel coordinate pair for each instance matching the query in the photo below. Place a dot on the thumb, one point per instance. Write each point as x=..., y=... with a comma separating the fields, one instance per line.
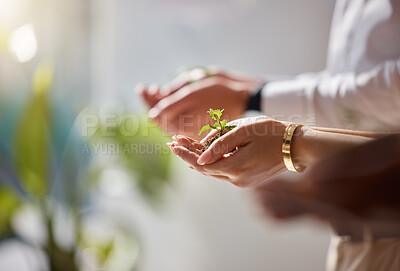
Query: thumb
x=222, y=145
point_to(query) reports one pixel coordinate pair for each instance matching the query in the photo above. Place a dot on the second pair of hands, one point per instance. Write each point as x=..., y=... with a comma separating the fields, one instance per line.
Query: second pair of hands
x=180, y=107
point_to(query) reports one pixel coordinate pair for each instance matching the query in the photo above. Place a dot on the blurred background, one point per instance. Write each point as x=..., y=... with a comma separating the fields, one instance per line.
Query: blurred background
x=62, y=61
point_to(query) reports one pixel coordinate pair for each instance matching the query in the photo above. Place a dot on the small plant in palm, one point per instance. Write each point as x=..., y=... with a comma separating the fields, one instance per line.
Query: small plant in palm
x=219, y=125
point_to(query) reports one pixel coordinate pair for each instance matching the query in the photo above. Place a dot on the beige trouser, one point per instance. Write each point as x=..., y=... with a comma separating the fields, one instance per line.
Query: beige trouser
x=346, y=254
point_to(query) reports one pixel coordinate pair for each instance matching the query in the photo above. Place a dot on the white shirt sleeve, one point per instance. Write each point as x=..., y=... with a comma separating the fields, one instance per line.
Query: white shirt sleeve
x=367, y=101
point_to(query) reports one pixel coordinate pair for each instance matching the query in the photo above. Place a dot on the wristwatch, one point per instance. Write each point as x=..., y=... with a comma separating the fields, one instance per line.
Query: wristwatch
x=254, y=102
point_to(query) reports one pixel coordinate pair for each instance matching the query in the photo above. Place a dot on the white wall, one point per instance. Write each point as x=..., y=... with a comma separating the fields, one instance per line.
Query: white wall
x=147, y=40
x=209, y=225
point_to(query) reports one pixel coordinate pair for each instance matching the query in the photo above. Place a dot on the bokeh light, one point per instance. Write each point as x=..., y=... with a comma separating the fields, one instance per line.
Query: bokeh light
x=23, y=43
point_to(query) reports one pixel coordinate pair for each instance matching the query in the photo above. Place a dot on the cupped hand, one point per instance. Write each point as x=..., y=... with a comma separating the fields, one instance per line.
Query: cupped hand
x=189, y=150
x=180, y=107
x=245, y=156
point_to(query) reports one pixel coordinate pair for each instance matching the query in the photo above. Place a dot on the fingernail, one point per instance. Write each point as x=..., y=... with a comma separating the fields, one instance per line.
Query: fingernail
x=174, y=137
x=204, y=158
x=179, y=138
x=153, y=113
x=173, y=144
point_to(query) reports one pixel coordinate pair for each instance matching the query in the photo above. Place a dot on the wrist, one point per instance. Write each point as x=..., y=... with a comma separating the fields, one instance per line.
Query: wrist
x=303, y=154
x=243, y=96
x=310, y=145
x=253, y=101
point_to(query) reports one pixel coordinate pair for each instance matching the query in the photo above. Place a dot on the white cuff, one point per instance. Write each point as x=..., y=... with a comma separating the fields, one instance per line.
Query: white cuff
x=285, y=101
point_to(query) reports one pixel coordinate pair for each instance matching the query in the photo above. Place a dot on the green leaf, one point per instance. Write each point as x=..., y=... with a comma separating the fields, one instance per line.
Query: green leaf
x=142, y=151
x=32, y=136
x=217, y=124
x=215, y=114
x=223, y=124
x=230, y=127
x=42, y=79
x=205, y=128
x=211, y=112
x=9, y=203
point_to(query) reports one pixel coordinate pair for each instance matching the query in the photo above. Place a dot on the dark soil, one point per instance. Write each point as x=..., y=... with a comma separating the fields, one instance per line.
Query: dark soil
x=208, y=143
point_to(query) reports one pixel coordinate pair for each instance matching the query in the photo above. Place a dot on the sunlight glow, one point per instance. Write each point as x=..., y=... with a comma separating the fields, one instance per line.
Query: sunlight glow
x=23, y=43
x=11, y=12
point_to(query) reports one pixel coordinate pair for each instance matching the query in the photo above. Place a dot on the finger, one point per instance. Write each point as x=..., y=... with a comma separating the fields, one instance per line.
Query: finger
x=179, y=82
x=231, y=75
x=215, y=176
x=184, y=79
x=171, y=106
x=219, y=177
x=221, y=170
x=171, y=144
x=193, y=76
x=186, y=155
x=150, y=94
x=153, y=93
x=214, y=133
x=154, y=89
x=209, y=136
x=189, y=143
x=229, y=165
x=142, y=90
x=234, y=166
x=191, y=158
x=223, y=145
x=186, y=137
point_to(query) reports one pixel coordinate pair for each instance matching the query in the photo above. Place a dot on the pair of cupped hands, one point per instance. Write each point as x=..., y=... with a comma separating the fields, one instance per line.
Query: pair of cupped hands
x=244, y=156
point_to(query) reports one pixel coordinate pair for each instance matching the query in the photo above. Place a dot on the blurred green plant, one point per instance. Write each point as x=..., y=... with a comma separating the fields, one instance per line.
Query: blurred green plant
x=9, y=202
x=51, y=173
x=143, y=152
x=32, y=137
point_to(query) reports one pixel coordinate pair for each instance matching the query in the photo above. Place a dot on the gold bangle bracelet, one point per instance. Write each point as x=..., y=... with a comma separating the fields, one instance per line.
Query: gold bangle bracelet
x=286, y=147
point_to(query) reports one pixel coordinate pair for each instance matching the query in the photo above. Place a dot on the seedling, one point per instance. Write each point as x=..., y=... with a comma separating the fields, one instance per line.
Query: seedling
x=219, y=125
